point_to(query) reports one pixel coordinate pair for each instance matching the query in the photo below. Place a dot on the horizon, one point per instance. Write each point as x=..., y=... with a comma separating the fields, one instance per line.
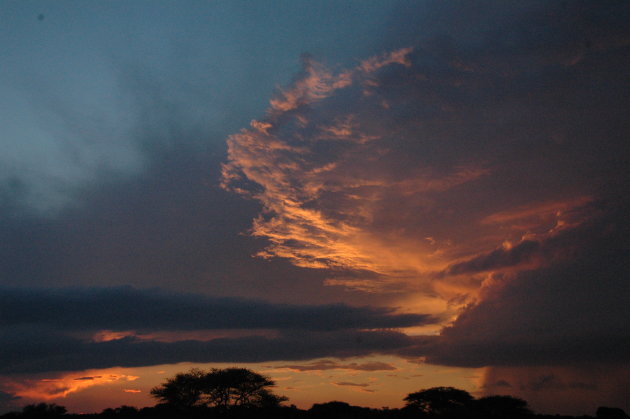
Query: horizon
x=359, y=200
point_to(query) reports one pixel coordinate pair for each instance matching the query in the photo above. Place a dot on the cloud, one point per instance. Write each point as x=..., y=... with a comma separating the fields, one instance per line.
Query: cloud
x=351, y=384
x=481, y=165
x=127, y=308
x=487, y=170
x=356, y=168
x=39, y=352
x=37, y=388
x=8, y=401
x=569, y=312
x=326, y=364
x=561, y=390
x=88, y=328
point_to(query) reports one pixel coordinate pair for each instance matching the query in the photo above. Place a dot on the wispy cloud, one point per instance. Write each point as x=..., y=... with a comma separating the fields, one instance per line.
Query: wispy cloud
x=61, y=385
x=326, y=364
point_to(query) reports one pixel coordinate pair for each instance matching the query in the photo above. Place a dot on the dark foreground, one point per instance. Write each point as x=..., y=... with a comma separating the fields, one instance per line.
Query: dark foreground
x=330, y=410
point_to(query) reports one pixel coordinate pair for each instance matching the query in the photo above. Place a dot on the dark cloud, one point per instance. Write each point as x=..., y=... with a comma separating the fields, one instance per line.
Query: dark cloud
x=34, y=352
x=327, y=364
x=562, y=390
x=351, y=384
x=127, y=308
x=497, y=259
x=8, y=402
x=39, y=330
x=571, y=311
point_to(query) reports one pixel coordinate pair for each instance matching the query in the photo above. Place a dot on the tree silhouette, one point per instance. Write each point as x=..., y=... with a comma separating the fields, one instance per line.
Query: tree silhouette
x=502, y=407
x=439, y=400
x=182, y=391
x=43, y=410
x=122, y=411
x=610, y=413
x=238, y=387
x=223, y=388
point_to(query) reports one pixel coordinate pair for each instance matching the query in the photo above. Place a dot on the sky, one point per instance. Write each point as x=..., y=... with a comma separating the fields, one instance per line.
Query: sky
x=357, y=199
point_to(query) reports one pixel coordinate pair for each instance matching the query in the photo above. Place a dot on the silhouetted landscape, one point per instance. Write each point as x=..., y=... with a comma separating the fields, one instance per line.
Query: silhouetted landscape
x=242, y=393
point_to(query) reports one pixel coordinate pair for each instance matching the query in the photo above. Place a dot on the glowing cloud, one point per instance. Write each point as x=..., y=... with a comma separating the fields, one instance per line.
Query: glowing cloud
x=363, y=173
x=60, y=387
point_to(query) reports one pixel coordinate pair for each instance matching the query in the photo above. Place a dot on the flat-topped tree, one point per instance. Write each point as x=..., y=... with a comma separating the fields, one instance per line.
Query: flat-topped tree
x=224, y=388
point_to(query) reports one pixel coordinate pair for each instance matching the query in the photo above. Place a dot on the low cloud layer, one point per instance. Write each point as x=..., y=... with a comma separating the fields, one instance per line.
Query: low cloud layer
x=75, y=329
x=327, y=364
x=38, y=351
x=126, y=308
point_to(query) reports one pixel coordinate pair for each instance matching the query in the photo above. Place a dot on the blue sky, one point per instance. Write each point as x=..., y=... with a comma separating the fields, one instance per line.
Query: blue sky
x=82, y=79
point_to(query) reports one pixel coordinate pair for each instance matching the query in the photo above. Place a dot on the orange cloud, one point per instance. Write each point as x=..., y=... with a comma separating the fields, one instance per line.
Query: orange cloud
x=370, y=173
x=63, y=385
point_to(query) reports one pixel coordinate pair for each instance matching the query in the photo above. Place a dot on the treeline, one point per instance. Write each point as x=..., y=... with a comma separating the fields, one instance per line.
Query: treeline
x=329, y=410
x=238, y=393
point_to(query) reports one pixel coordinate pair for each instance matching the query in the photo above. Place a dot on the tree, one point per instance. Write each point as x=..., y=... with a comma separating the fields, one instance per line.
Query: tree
x=439, y=400
x=503, y=407
x=223, y=388
x=610, y=413
x=238, y=387
x=42, y=410
x=182, y=391
x=122, y=411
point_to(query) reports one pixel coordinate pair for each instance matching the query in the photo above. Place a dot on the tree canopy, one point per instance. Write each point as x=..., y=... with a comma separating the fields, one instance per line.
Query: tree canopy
x=223, y=388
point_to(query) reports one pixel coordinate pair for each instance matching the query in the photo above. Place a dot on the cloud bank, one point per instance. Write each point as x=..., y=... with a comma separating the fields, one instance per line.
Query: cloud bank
x=127, y=308
x=75, y=329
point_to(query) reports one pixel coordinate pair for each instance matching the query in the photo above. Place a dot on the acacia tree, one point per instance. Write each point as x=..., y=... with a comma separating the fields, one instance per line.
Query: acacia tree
x=223, y=388
x=182, y=391
x=238, y=387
